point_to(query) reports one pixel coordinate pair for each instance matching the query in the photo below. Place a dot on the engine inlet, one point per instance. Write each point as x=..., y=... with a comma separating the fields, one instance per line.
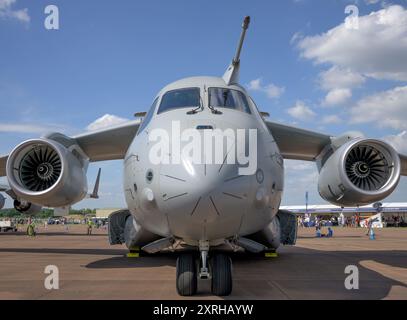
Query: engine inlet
x=40, y=168
x=367, y=168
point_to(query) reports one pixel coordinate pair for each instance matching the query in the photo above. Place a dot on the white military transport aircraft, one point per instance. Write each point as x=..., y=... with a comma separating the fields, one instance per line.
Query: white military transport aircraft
x=201, y=208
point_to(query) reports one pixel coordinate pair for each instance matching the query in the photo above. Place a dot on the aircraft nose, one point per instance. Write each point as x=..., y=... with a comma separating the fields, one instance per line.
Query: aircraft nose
x=196, y=196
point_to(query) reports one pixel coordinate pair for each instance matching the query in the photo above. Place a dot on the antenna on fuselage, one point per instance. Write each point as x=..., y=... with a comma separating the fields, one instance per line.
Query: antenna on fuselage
x=231, y=75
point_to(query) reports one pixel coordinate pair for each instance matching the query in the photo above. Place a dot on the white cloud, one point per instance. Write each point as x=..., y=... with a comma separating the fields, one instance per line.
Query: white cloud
x=336, y=77
x=399, y=141
x=296, y=37
x=339, y=82
x=108, y=120
x=6, y=11
x=331, y=119
x=337, y=97
x=298, y=165
x=26, y=128
x=271, y=90
x=386, y=108
x=378, y=49
x=308, y=179
x=372, y=1
x=5, y=4
x=300, y=177
x=255, y=85
x=301, y=112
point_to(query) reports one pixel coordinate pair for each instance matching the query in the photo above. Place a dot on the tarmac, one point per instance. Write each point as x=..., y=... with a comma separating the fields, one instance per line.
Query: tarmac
x=89, y=268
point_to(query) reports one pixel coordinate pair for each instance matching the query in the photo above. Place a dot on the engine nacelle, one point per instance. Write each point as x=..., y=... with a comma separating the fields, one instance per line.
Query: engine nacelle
x=45, y=172
x=2, y=201
x=27, y=208
x=360, y=172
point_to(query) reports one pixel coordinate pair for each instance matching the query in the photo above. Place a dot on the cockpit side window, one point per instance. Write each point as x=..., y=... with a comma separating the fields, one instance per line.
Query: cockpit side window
x=228, y=98
x=148, y=117
x=180, y=98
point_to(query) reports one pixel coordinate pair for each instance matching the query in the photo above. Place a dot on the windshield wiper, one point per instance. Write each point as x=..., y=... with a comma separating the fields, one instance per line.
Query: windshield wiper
x=214, y=111
x=194, y=111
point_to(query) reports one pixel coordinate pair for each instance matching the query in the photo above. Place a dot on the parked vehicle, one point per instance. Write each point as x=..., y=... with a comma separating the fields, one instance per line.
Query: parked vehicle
x=6, y=226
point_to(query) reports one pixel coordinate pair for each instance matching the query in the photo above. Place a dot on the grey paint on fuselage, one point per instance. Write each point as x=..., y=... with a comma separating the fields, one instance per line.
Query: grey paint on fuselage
x=203, y=202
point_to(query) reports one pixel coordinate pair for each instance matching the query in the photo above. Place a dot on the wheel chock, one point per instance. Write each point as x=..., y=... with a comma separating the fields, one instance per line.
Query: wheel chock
x=135, y=253
x=270, y=254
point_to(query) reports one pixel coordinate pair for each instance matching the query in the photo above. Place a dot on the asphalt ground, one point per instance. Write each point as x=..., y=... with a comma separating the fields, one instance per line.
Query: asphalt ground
x=89, y=268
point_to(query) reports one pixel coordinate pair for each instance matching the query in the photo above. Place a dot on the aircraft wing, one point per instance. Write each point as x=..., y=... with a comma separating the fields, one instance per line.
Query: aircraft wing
x=105, y=144
x=110, y=143
x=296, y=143
x=300, y=144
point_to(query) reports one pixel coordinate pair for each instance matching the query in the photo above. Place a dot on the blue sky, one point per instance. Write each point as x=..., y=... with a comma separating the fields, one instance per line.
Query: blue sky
x=109, y=59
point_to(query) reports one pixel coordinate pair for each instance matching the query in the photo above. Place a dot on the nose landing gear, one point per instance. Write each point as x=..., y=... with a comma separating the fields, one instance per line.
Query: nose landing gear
x=204, y=270
x=221, y=275
x=187, y=281
x=218, y=271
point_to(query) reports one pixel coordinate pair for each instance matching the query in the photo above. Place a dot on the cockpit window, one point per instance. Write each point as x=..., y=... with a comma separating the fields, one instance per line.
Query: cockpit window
x=148, y=117
x=228, y=98
x=181, y=98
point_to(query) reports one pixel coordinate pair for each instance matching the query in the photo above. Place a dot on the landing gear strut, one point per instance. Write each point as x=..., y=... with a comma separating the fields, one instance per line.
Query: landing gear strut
x=218, y=271
x=204, y=269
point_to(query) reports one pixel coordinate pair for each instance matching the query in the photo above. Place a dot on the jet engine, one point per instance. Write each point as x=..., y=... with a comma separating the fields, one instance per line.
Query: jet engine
x=47, y=173
x=360, y=172
x=2, y=201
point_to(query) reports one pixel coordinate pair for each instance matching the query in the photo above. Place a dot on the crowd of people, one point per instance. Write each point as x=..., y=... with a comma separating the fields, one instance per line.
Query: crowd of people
x=394, y=221
x=307, y=221
x=30, y=225
x=350, y=222
x=354, y=221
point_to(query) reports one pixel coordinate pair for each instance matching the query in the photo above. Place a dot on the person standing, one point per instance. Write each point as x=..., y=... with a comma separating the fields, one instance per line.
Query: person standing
x=89, y=227
x=369, y=226
x=31, y=229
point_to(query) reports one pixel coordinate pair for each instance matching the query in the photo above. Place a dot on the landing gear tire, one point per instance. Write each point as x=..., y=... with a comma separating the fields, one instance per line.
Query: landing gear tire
x=221, y=275
x=187, y=281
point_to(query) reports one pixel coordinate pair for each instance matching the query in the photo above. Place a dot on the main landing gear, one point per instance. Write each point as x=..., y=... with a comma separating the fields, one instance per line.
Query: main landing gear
x=218, y=271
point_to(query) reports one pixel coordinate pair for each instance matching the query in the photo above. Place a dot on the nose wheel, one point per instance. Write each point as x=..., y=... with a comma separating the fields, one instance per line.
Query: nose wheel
x=187, y=280
x=221, y=275
x=218, y=271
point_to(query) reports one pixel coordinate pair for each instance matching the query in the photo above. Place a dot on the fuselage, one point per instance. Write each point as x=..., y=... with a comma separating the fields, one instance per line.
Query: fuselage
x=213, y=199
